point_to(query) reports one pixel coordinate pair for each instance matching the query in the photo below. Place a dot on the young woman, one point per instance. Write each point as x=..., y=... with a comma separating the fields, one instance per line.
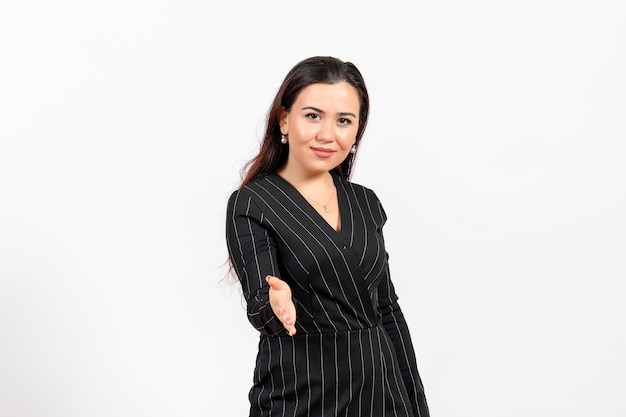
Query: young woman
x=308, y=249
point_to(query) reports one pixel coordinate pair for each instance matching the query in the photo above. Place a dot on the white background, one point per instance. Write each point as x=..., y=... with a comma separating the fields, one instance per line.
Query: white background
x=123, y=126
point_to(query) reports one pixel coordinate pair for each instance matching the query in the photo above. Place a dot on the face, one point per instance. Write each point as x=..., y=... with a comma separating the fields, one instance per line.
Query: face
x=322, y=127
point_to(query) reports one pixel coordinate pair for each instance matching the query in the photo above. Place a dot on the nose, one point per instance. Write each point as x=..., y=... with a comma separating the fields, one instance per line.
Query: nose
x=326, y=133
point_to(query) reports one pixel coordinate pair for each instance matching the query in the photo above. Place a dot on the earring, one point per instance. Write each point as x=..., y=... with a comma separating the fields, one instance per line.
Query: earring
x=353, y=150
x=283, y=138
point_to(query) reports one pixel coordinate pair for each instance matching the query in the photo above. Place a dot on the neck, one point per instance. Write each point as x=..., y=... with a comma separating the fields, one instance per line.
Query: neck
x=301, y=179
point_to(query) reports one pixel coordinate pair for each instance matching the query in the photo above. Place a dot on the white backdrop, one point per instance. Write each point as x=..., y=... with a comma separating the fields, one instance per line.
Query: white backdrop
x=123, y=126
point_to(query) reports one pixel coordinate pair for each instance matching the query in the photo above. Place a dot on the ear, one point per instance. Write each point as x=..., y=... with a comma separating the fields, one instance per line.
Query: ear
x=282, y=121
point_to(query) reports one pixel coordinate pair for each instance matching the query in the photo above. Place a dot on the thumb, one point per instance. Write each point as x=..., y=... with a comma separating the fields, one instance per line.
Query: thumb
x=275, y=282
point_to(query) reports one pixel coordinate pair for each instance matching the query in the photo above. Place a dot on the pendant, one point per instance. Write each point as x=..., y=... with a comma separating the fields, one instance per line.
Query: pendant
x=326, y=209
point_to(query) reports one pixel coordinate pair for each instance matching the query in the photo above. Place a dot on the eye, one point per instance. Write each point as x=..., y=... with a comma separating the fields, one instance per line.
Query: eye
x=312, y=116
x=344, y=121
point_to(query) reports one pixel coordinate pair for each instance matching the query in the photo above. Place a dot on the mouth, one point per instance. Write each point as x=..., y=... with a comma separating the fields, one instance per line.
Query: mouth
x=323, y=152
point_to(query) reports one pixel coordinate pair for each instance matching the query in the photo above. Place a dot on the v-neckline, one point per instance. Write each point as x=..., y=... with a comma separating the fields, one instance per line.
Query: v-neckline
x=345, y=222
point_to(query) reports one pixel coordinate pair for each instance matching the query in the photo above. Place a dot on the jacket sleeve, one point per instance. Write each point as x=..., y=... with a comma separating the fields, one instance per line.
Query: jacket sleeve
x=398, y=331
x=252, y=252
x=396, y=327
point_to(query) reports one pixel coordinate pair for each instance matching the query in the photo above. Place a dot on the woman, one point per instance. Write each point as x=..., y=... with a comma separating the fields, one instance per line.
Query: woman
x=308, y=249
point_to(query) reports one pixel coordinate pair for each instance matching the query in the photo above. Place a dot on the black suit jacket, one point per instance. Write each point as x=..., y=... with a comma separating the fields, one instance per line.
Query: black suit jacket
x=352, y=354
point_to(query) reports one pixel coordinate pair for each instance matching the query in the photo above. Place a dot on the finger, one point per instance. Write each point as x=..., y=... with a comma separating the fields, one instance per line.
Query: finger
x=284, y=316
x=288, y=321
x=289, y=324
x=275, y=283
x=290, y=327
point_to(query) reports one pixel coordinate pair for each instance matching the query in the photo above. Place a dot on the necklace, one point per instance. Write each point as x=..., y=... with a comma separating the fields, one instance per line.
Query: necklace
x=326, y=209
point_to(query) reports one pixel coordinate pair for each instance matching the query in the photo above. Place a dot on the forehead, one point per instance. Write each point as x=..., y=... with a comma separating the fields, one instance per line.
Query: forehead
x=340, y=96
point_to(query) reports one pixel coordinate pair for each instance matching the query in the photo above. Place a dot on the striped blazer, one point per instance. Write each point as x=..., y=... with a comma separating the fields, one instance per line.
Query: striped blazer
x=352, y=354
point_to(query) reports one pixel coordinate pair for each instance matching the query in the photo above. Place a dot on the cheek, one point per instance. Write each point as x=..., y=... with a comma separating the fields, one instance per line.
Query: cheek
x=303, y=133
x=348, y=139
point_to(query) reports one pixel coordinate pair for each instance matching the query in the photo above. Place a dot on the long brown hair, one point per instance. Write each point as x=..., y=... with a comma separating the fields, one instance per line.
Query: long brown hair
x=318, y=69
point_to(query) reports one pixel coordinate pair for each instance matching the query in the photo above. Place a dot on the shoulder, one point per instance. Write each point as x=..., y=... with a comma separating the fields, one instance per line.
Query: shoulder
x=258, y=192
x=358, y=190
x=364, y=198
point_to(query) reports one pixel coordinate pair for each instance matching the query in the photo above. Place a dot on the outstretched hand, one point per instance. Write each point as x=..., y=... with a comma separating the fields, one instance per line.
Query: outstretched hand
x=282, y=303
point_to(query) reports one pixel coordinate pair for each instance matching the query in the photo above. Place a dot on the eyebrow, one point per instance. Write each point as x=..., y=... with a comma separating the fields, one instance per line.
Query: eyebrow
x=341, y=114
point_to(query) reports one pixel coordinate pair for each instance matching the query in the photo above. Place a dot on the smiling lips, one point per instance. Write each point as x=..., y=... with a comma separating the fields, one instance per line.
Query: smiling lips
x=323, y=152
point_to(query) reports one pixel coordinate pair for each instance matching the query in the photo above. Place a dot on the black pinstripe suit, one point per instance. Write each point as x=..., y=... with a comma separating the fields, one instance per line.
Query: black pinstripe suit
x=352, y=354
